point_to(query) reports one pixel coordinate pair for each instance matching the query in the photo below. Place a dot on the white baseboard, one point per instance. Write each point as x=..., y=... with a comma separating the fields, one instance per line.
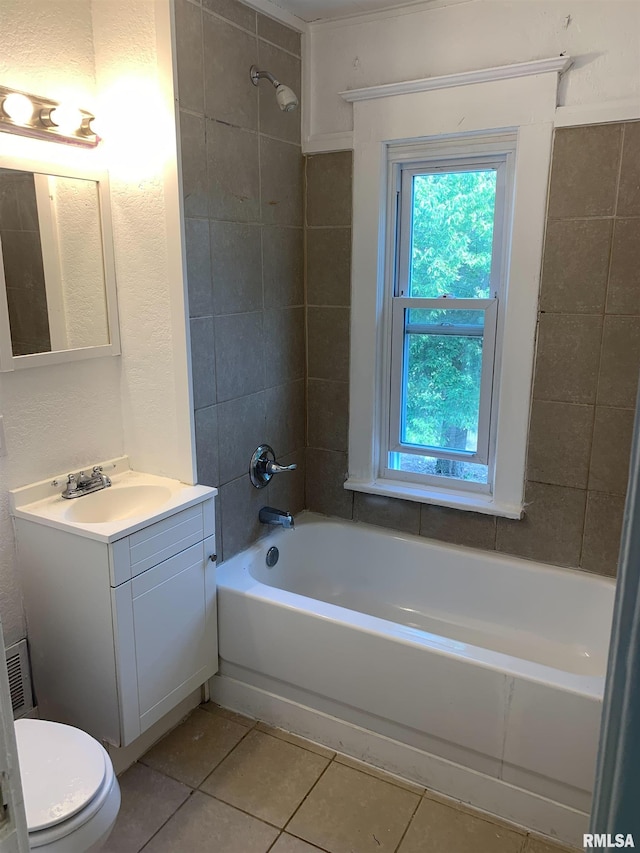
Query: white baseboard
x=483, y=792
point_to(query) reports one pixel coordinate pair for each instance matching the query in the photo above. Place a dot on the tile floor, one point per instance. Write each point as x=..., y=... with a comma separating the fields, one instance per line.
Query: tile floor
x=225, y=783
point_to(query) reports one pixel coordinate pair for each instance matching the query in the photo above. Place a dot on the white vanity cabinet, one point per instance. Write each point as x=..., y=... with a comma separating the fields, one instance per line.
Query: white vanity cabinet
x=121, y=631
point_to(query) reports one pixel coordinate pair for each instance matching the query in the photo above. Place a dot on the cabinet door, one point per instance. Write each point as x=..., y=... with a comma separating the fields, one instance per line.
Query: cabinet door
x=175, y=629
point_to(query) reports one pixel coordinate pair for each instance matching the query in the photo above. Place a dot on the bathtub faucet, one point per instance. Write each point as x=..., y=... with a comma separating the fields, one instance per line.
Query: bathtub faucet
x=270, y=515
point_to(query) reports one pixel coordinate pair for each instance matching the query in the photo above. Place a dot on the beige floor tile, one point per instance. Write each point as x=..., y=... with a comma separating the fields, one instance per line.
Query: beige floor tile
x=543, y=845
x=379, y=774
x=148, y=800
x=203, y=825
x=219, y=711
x=299, y=741
x=289, y=844
x=266, y=777
x=437, y=828
x=353, y=812
x=191, y=751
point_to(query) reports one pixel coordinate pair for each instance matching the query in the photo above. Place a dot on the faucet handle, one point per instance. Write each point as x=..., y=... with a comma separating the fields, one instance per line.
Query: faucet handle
x=275, y=468
x=263, y=466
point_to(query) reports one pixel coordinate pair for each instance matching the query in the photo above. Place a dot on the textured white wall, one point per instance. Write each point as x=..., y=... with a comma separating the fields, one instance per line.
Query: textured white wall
x=135, y=95
x=58, y=417
x=62, y=417
x=602, y=36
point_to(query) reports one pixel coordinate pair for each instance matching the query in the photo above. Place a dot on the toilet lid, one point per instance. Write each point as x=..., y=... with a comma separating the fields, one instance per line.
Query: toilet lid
x=62, y=769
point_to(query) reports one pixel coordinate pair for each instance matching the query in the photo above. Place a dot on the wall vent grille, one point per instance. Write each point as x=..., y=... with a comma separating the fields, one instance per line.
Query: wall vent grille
x=19, y=673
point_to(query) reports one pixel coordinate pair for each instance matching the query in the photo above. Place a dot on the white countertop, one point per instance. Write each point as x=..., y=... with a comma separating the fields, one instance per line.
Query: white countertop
x=42, y=502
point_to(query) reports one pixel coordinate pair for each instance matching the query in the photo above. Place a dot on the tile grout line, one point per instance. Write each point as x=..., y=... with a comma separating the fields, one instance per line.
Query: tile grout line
x=409, y=822
x=434, y=796
x=220, y=17
x=301, y=746
x=600, y=348
x=305, y=798
x=476, y=813
x=216, y=765
x=171, y=816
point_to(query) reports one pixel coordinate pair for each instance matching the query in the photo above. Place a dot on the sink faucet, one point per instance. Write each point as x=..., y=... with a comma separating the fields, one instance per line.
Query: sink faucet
x=83, y=484
x=270, y=515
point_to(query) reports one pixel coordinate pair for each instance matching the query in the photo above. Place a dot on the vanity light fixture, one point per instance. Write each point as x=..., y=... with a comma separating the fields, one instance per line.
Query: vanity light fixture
x=33, y=115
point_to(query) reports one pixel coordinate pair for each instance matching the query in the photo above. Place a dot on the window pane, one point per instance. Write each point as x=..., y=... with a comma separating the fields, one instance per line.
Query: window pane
x=450, y=468
x=452, y=234
x=441, y=393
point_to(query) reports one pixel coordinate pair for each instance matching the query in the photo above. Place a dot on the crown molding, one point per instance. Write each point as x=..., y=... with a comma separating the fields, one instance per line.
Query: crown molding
x=556, y=65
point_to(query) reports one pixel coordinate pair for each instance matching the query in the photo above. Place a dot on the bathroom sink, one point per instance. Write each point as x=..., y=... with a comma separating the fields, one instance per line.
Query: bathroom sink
x=133, y=501
x=116, y=503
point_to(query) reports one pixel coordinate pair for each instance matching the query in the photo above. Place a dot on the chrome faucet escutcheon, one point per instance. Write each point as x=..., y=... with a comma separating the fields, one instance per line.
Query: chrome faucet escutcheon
x=263, y=466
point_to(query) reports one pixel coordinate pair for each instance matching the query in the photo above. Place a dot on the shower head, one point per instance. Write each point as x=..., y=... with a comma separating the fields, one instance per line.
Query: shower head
x=286, y=97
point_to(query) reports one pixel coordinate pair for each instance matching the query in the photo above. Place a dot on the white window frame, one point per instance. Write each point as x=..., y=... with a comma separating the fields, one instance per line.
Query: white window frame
x=404, y=162
x=520, y=106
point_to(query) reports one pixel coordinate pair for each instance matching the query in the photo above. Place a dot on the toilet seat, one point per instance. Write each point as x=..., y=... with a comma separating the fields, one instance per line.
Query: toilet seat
x=86, y=828
x=66, y=777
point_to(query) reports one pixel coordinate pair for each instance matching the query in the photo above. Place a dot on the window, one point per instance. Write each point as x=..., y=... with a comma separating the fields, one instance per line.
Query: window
x=498, y=128
x=449, y=220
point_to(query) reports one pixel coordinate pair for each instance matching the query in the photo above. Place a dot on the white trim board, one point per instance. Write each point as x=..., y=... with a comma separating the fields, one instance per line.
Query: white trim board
x=465, y=78
x=483, y=792
x=324, y=143
x=624, y=109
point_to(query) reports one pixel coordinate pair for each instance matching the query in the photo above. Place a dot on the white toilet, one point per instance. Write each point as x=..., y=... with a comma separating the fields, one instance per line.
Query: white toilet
x=71, y=793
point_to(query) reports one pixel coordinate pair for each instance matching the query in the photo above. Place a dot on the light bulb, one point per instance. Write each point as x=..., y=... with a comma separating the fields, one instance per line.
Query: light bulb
x=66, y=118
x=18, y=107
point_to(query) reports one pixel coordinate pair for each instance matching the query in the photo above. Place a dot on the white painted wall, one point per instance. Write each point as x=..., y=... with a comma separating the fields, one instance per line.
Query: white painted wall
x=601, y=35
x=135, y=97
x=62, y=417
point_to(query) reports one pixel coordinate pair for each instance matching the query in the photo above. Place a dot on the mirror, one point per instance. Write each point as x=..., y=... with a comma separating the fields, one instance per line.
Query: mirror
x=57, y=283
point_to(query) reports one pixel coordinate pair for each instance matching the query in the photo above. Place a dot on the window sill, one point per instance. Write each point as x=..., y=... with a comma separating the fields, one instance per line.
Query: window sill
x=485, y=504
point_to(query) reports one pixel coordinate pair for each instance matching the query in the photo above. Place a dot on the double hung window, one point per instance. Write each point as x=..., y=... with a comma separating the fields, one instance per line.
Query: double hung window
x=448, y=247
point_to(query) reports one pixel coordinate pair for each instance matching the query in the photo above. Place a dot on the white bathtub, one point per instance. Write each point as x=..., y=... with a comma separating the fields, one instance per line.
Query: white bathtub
x=474, y=673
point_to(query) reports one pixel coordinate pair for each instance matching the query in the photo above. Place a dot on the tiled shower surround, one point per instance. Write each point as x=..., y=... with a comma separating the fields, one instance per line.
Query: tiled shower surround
x=243, y=199
x=586, y=372
x=255, y=288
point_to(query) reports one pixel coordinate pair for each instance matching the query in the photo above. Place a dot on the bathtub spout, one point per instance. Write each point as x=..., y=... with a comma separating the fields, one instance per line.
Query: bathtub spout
x=270, y=515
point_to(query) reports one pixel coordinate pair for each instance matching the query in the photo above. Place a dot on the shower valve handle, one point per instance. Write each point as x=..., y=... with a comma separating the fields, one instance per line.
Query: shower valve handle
x=275, y=468
x=263, y=466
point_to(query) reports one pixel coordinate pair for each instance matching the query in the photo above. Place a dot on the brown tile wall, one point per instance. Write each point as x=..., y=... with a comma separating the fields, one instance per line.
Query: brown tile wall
x=242, y=180
x=586, y=373
x=328, y=299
